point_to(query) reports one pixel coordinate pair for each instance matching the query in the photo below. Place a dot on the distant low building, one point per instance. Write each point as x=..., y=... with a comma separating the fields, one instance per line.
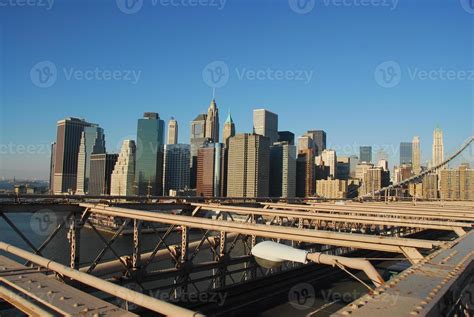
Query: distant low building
x=331, y=188
x=457, y=184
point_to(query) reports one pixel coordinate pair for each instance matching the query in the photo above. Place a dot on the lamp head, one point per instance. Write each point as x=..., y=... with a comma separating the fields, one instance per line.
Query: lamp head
x=269, y=254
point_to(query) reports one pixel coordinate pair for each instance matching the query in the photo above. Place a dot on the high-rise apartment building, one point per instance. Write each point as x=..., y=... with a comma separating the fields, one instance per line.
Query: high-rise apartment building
x=176, y=167
x=212, y=122
x=319, y=140
x=305, y=173
x=248, y=166
x=211, y=170
x=331, y=188
x=282, y=170
x=416, y=155
x=305, y=142
x=457, y=184
x=92, y=142
x=102, y=166
x=266, y=123
x=406, y=153
x=172, y=131
x=228, y=131
x=438, y=147
x=365, y=154
x=122, y=181
x=149, y=160
x=68, y=140
x=343, y=167
x=430, y=186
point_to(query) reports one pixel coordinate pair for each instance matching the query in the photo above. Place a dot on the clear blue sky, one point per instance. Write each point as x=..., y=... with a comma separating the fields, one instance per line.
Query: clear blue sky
x=169, y=46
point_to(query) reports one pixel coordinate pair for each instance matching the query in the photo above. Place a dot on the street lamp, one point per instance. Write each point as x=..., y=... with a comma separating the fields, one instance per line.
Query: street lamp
x=269, y=254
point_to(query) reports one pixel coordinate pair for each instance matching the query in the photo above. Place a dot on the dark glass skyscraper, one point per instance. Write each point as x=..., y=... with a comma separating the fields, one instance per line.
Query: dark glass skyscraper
x=149, y=155
x=406, y=150
x=319, y=140
x=365, y=154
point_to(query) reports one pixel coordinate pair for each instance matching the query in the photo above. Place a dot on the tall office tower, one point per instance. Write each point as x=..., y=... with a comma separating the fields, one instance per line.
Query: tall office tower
x=406, y=153
x=286, y=136
x=266, y=123
x=329, y=158
x=353, y=162
x=305, y=142
x=457, y=184
x=68, y=140
x=122, y=182
x=383, y=164
x=92, y=142
x=51, y=167
x=248, y=166
x=102, y=166
x=365, y=154
x=319, y=140
x=416, y=155
x=149, y=167
x=212, y=122
x=305, y=173
x=172, y=131
x=438, y=148
x=176, y=167
x=331, y=188
x=282, y=170
x=229, y=130
x=197, y=139
x=343, y=169
x=211, y=170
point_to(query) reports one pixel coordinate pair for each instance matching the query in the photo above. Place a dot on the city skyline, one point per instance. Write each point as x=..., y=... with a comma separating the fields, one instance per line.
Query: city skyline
x=342, y=98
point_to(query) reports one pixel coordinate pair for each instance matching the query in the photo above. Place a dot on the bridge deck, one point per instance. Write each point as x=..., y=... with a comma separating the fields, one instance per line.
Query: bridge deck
x=48, y=292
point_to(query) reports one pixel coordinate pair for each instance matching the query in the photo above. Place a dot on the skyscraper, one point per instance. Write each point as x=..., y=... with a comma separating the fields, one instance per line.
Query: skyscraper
x=176, y=167
x=68, y=140
x=365, y=154
x=51, y=167
x=305, y=172
x=438, y=147
x=211, y=170
x=305, y=142
x=329, y=158
x=212, y=122
x=416, y=155
x=266, y=123
x=92, y=142
x=149, y=161
x=102, y=166
x=248, y=166
x=282, y=170
x=286, y=136
x=123, y=176
x=406, y=153
x=319, y=140
x=172, y=131
x=229, y=130
x=197, y=139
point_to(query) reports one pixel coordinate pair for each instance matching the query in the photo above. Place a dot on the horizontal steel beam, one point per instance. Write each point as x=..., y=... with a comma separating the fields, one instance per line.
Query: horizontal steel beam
x=359, y=241
x=370, y=220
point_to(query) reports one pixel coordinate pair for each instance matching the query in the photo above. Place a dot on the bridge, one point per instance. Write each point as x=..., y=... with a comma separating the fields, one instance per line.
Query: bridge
x=192, y=256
